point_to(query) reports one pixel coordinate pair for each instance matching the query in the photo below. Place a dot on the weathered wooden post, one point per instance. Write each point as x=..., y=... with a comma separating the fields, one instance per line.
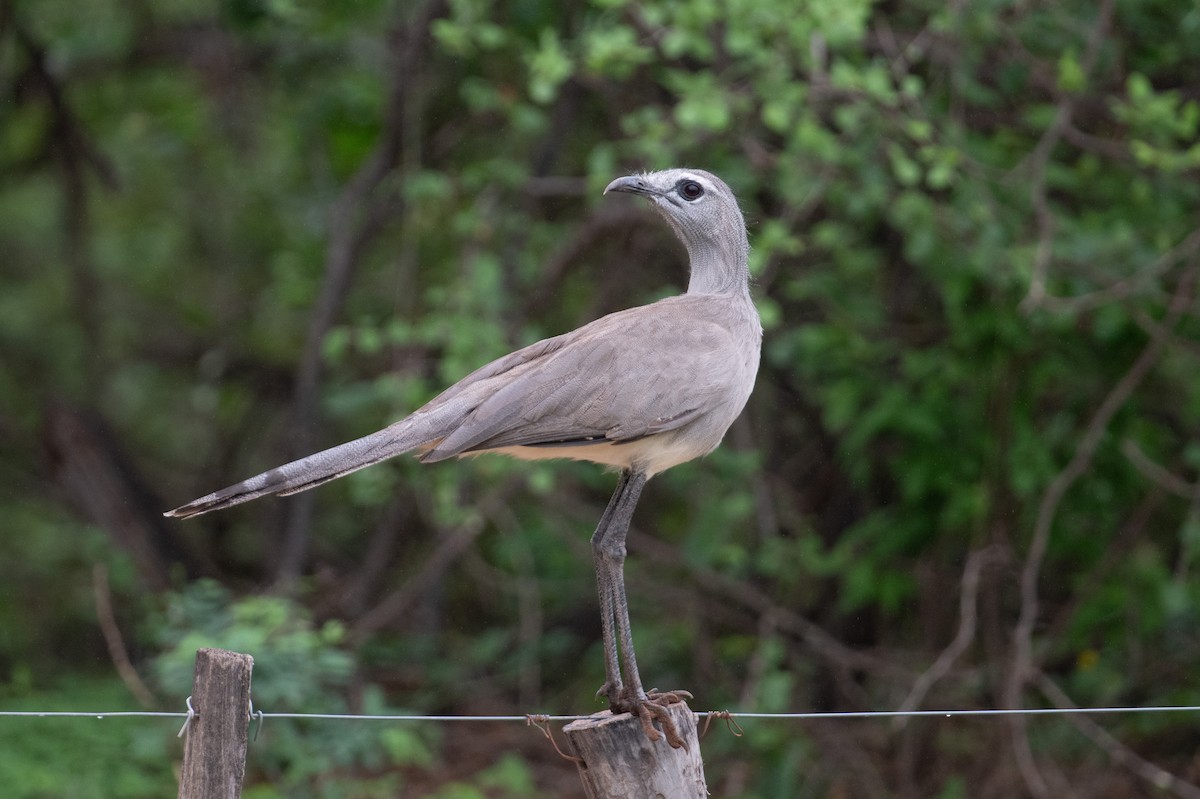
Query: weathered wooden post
x=618, y=761
x=214, y=754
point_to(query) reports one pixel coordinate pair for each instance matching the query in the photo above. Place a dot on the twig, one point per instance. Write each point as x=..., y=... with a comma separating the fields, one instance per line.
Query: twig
x=113, y=639
x=1046, y=224
x=362, y=583
x=1022, y=665
x=1124, y=288
x=845, y=754
x=356, y=218
x=597, y=228
x=397, y=603
x=1155, y=472
x=1119, y=752
x=968, y=602
x=844, y=659
x=756, y=666
x=1035, y=163
x=527, y=590
x=449, y=549
x=68, y=145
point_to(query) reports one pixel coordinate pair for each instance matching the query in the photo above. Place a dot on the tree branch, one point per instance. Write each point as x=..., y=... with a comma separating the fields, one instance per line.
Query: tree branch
x=968, y=600
x=1022, y=666
x=1036, y=162
x=1119, y=752
x=357, y=217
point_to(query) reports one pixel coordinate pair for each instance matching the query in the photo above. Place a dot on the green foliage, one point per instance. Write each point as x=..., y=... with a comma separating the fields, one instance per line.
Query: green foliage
x=109, y=758
x=968, y=222
x=298, y=667
x=294, y=661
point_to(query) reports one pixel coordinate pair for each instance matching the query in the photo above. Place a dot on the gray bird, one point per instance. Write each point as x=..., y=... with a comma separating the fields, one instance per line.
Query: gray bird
x=641, y=390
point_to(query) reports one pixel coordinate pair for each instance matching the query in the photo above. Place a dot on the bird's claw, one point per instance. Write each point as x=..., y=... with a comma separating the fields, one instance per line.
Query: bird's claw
x=668, y=697
x=613, y=692
x=649, y=709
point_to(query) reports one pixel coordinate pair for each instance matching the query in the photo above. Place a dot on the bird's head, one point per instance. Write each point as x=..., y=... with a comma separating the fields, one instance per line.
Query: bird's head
x=705, y=215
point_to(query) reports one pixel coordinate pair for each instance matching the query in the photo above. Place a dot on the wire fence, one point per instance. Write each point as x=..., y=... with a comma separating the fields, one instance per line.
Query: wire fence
x=810, y=715
x=217, y=735
x=215, y=749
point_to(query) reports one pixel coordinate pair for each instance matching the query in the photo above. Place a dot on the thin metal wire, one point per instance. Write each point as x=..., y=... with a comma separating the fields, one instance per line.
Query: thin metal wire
x=191, y=714
x=1029, y=711
x=255, y=714
x=99, y=714
x=852, y=714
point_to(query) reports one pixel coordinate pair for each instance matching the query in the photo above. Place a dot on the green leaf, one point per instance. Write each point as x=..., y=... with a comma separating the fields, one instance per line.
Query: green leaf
x=549, y=66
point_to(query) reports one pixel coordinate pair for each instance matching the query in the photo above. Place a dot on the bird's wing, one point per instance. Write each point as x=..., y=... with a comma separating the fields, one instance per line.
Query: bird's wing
x=625, y=376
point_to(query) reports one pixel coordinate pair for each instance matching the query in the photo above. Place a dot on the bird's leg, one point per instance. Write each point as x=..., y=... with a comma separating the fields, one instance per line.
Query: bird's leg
x=612, y=670
x=608, y=549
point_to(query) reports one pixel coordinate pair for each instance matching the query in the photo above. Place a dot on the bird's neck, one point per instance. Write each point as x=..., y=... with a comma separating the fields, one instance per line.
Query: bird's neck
x=720, y=270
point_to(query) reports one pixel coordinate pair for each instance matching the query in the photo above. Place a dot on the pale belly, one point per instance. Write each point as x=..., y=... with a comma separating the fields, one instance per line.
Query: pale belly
x=651, y=455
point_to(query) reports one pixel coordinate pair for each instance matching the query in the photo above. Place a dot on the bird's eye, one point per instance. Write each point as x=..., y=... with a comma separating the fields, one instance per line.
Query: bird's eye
x=690, y=190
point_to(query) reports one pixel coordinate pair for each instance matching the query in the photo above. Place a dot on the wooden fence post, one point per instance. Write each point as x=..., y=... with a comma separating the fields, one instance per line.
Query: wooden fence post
x=214, y=754
x=620, y=762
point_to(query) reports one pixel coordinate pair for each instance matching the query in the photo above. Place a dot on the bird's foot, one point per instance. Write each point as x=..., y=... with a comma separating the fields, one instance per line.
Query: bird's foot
x=649, y=709
x=613, y=692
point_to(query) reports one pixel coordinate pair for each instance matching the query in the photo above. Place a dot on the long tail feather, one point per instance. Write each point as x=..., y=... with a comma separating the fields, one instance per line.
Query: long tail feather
x=305, y=473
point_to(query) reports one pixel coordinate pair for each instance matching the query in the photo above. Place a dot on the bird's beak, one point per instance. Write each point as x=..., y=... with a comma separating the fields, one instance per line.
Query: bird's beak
x=632, y=184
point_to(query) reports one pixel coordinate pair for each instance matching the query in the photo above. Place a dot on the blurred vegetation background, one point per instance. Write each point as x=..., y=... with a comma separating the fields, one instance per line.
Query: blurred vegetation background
x=235, y=231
